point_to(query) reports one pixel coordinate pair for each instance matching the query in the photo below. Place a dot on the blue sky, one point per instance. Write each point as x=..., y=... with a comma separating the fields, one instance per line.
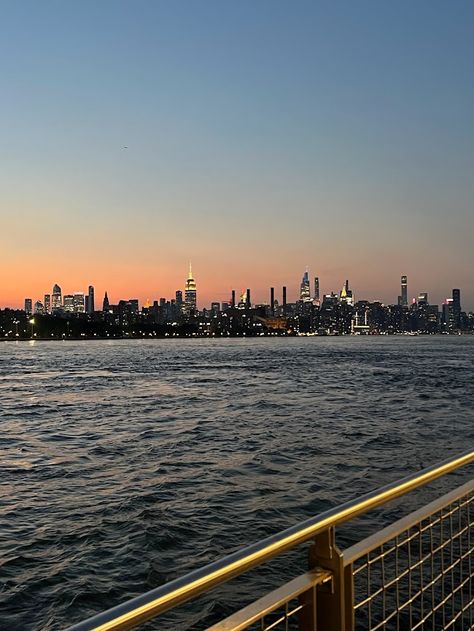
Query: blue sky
x=262, y=137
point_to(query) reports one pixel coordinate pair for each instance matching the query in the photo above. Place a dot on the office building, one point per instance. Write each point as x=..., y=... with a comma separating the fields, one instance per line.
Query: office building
x=190, y=294
x=56, y=298
x=404, y=292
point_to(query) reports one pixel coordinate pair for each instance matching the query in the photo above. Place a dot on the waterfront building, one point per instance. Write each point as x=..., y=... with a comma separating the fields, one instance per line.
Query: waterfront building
x=190, y=294
x=305, y=293
x=215, y=308
x=69, y=303
x=448, y=323
x=56, y=298
x=47, y=303
x=28, y=306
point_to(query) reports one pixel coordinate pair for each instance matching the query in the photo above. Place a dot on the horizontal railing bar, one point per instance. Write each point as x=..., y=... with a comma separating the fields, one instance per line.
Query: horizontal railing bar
x=272, y=601
x=161, y=599
x=368, y=544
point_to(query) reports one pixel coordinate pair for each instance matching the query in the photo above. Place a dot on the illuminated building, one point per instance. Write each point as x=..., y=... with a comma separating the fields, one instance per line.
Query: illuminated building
x=448, y=316
x=457, y=308
x=346, y=294
x=404, y=292
x=28, y=306
x=57, y=298
x=47, y=303
x=179, y=300
x=305, y=294
x=79, y=302
x=316, y=290
x=190, y=294
x=69, y=303
x=39, y=307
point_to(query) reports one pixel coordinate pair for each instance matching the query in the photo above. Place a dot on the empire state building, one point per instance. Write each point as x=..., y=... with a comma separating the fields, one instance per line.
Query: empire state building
x=190, y=294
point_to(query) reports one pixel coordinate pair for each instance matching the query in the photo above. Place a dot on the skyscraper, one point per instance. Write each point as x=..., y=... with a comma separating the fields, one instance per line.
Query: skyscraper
x=57, y=298
x=79, y=302
x=457, y=308
x=305, y=293
x=90, y=300
x=106, y=304
x=47, y=303
x=316, y=289
x=190, y=293
x=404, y=292
x=346, y=294
x=69, y=303
x=28, y=306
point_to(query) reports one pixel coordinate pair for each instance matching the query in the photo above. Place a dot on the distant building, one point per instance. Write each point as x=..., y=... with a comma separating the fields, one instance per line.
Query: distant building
x=346, y=294
x=56, y=298
x=106, y=304
x=190, y=294
x=28, y=306
x=90, y=300
x=47, y=303
x=305, y=293
x=79, y=302
x=316, y=290
x=68, y=303
x=39, y=307
x=404, y=292
x=457, y=308
x=448, y=316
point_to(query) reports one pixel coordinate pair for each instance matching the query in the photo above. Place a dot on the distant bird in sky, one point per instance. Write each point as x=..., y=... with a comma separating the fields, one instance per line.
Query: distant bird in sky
x=124, y=147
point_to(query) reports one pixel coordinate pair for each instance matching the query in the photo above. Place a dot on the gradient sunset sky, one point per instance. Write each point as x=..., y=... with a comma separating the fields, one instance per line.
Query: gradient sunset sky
x=263, y=137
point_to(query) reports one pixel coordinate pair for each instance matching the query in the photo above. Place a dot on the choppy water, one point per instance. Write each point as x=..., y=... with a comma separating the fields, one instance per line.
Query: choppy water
x=125, y=464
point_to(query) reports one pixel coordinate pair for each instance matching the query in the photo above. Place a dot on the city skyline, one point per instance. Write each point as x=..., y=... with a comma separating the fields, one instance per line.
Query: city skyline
x=253, y=138
x=309, y=289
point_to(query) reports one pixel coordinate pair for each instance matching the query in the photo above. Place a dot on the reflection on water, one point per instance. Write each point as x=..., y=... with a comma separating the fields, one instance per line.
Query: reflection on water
x=127, y=463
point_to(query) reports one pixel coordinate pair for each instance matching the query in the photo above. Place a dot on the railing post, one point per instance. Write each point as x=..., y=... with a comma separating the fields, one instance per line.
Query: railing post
x=324, y=553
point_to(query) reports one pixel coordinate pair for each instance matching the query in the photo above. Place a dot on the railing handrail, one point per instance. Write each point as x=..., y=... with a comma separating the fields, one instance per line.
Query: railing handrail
x=163, y=598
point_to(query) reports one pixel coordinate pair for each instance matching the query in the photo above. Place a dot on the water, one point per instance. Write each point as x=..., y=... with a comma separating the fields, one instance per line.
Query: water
x=126, y=463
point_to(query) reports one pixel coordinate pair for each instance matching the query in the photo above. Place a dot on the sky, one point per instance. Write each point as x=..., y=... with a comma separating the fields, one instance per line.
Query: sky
x=255, y=138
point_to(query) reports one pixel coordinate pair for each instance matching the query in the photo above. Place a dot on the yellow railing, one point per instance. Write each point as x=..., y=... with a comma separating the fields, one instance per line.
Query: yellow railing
x=404, y=588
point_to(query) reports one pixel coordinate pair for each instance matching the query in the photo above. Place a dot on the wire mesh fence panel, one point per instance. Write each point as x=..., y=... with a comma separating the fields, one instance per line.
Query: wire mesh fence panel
x=422, y=578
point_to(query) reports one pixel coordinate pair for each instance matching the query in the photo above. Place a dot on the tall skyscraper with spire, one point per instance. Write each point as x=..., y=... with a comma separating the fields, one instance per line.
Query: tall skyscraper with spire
x=190, y=293
x=305, y=292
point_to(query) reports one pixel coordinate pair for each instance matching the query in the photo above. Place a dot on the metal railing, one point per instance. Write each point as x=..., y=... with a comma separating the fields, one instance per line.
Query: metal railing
x=416, y=573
